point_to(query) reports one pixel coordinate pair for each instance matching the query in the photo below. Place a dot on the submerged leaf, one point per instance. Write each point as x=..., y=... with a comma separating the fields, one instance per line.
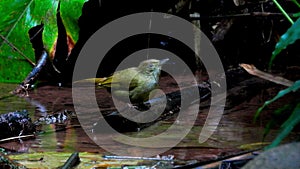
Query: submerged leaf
x=253, y=146
x=45, y=160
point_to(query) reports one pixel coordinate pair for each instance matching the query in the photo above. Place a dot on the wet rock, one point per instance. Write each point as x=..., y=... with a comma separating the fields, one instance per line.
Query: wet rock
x=281, y=157
x=15, y=123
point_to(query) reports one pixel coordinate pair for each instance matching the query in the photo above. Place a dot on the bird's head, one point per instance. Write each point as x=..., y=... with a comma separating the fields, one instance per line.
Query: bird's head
x=152, y=66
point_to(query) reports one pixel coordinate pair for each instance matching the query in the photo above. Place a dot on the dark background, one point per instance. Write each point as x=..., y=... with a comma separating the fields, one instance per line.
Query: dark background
x=240, y=36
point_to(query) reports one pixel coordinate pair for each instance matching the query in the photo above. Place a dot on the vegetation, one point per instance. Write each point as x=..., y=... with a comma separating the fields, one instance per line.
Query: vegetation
x=292, y=34
x=17, y=17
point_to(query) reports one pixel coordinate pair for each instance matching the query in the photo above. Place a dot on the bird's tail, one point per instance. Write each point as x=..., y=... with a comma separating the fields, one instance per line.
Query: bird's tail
x=91, y=80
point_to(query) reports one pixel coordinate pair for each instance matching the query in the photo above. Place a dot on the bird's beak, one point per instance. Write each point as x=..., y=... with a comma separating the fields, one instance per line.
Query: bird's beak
x=163, y=61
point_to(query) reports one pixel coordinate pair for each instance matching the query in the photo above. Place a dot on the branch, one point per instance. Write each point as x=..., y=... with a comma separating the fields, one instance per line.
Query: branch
x=17, y=50
x=32, y=76
x=251, y=69
x=256, y=14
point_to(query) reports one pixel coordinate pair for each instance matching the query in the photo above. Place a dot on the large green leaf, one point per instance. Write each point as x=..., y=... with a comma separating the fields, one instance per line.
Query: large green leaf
x=294, y=87
x=70, y=11
x=17, y=17
x=290, y=123
x=292, y=34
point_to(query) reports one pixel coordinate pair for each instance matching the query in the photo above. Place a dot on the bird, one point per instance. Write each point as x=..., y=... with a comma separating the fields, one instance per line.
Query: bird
x=135, y=82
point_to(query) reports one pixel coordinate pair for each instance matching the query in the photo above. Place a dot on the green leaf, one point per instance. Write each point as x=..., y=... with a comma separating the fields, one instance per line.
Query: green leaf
x=296, y=3
x=273, y=121
x=281, y=93
x=70, y=12
x=296, y=15
x=287, y=126
x=292, y=34
x=17, y=17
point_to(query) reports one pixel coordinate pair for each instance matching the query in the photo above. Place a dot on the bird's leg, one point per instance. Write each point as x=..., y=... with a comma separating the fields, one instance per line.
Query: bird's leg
x=123, y=96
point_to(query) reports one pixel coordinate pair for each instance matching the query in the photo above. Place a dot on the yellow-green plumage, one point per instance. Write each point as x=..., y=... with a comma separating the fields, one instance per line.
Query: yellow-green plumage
x=141, y=81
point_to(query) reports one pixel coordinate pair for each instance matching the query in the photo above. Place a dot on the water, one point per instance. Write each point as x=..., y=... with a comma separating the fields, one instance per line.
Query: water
x=235, y=129
x=9, y=103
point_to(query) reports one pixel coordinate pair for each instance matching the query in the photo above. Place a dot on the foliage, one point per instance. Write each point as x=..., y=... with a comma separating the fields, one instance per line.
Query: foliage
x=280, y=94
x=288, y=38
x=293, y=119
x=287, y=126
x=292, y=34
x=17, y=17
x=283, y=11
x=296, y=3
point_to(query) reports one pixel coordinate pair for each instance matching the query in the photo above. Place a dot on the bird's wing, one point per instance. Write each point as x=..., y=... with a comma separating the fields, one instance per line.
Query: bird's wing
x=118, y=80
x=106, y=82
x=141, y=91
x=121, y=78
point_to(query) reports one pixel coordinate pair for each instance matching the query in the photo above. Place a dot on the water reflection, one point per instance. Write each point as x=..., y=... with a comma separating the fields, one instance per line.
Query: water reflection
x=9, y=102
x=235, y=129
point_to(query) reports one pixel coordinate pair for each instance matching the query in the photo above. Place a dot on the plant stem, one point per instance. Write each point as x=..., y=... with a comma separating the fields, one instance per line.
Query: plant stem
x=295, y=2
x=283, y=11
x=17, y=50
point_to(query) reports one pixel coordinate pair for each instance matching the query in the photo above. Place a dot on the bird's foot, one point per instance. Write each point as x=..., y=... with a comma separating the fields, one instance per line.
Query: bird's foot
x=132, y=106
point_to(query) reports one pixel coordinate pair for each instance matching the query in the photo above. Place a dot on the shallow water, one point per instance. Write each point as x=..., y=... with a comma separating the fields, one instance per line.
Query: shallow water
x=236, y=127
x=9, y=102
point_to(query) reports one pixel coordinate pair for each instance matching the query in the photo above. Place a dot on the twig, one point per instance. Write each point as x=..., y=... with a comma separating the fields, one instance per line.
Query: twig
x=251, y=69
x=17, y=50
x=17, y=137
x=202, y=163
x=262, y=14
x=164, y=158
x=32, y=76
